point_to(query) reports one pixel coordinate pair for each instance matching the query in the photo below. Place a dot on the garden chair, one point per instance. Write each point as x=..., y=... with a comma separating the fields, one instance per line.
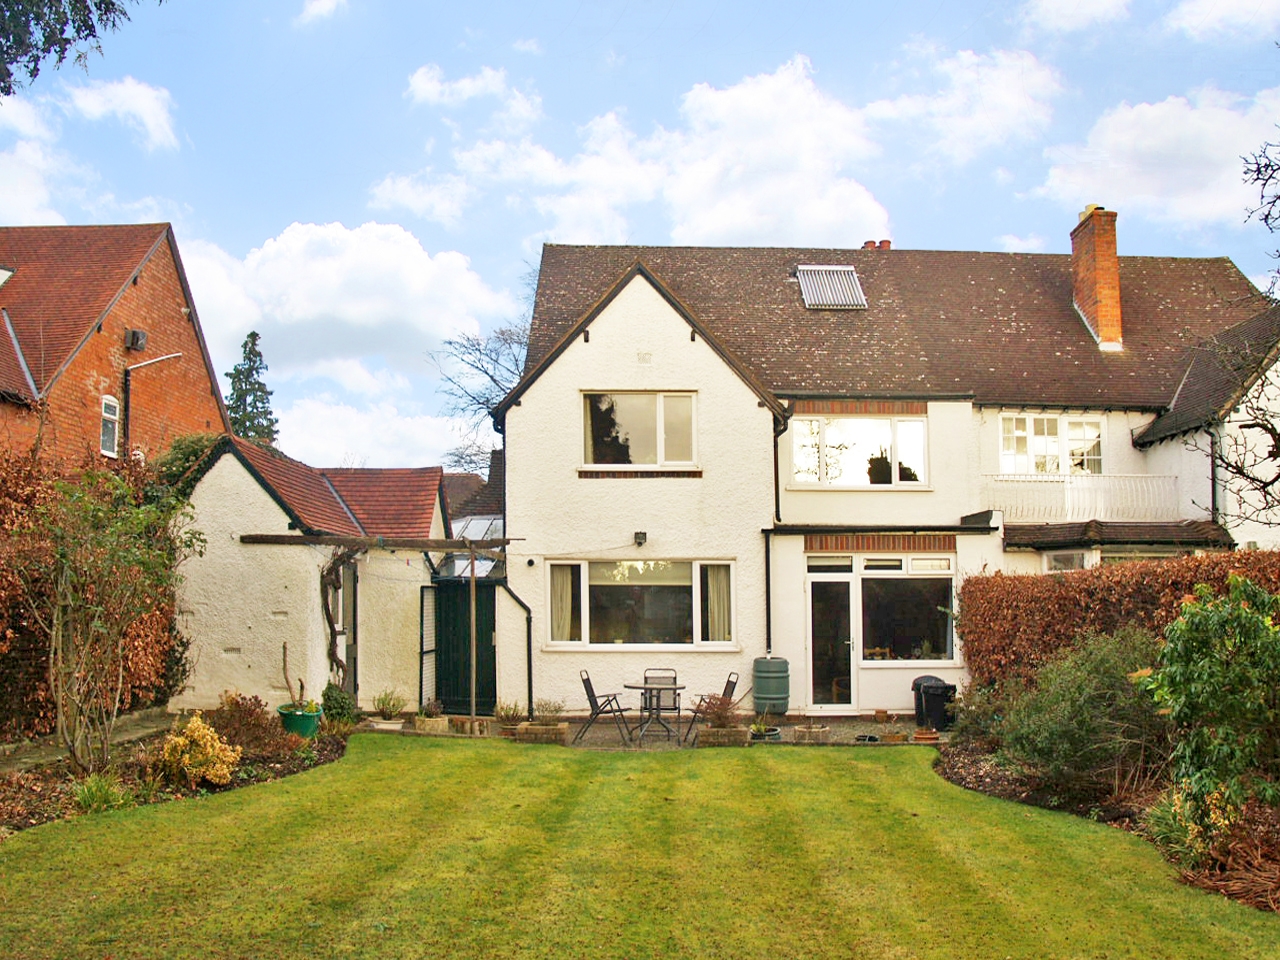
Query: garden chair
x=600, y=706
x=730, y=685
x=658, y=702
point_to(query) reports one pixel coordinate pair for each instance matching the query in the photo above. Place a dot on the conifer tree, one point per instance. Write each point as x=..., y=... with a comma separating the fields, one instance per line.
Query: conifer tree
x=249, y=405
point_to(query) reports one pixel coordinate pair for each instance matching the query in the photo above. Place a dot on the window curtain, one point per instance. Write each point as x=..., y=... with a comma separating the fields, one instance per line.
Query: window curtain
x=562, y=602
x=717, y=601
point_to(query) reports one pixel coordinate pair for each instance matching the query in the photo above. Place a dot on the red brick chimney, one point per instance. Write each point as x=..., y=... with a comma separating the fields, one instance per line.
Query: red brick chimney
x=1095, y=275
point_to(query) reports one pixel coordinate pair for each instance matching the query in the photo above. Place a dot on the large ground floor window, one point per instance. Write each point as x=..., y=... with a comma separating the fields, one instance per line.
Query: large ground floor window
x=906, y=619
x=641, y=601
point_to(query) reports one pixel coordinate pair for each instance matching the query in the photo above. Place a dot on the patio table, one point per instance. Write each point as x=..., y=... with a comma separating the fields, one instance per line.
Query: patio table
x=651, y=704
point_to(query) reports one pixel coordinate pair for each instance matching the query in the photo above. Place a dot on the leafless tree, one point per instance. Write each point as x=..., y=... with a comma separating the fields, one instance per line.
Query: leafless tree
x=476, y=372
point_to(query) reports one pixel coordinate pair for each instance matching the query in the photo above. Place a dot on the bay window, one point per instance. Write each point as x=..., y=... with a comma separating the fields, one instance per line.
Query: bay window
x=1050, y=444
x=858, y=451
x=650, y=429
x=641, y=601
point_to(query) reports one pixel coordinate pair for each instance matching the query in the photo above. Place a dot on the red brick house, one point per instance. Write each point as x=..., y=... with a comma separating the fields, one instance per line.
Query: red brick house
x=101, y=350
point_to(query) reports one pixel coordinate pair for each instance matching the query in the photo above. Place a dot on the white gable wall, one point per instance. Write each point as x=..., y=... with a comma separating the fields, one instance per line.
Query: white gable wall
x=638, y=342
x=238, y=603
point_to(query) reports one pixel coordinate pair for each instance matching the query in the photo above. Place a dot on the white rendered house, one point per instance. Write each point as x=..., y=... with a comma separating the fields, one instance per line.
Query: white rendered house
x=718, y=454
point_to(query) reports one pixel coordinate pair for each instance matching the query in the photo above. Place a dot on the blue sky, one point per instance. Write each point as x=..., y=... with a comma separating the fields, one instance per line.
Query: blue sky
x=359, y=179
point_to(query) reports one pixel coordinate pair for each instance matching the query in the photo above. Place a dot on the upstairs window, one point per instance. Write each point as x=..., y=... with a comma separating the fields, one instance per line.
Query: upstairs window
x=648, y=429
x=1050, y=444
x=110, y=427
x=858, y=451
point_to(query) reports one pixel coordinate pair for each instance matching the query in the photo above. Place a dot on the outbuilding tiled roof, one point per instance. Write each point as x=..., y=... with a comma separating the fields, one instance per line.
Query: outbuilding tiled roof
x=64, y=281
x=390, y=502
x=1050, y=536
x=999, y=327
x=350, y=502
x=488, y=501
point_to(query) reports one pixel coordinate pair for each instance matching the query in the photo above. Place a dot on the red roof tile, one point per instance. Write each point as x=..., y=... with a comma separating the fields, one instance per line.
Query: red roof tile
x=348, y=502
x=64, y=280
x=390, y=502
x=999, y=327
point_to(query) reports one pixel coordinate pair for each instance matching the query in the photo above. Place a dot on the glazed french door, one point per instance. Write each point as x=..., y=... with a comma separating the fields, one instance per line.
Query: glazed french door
x=831, y=642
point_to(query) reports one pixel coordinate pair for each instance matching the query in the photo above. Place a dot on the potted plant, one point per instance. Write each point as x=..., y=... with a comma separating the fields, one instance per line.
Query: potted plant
x=894, y=732
x=547, y=725
x=388, y=704
x=811, y=731
x=723, y=726
x=299, y=715
x=761, y=729
x=508, y=716
x=431, y=718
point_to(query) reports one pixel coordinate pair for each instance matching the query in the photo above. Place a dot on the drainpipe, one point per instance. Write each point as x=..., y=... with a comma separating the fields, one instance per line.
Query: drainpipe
x=124, y=400
x=528, y=641
x=1213, y=475
x=768, y=595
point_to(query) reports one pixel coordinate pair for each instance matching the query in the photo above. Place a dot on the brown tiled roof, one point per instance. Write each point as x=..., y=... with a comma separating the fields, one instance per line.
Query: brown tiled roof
x=1048, y=536
x=999, y=327
x=390, y=502
x=1218, y=372
x=64, y=281
x=489, y=500
x=351, y=502
x=458, y=489
x=302, y=491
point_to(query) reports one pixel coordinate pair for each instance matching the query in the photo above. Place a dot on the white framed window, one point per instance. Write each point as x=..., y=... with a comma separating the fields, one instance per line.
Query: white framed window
x=1050, y=444
x=644, y=429
x=906, y=606
x=859, y=451
x=641, y=602
x=1064, y=561
x=110, y=445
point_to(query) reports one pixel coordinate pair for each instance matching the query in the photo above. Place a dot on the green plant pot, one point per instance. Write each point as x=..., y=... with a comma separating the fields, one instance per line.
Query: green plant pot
x=299, y=722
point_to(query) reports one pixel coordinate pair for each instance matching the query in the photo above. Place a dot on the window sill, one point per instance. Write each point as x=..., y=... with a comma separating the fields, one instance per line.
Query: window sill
x=577, y=646
x=603, y=473
x=878, y=488
x=907, y=664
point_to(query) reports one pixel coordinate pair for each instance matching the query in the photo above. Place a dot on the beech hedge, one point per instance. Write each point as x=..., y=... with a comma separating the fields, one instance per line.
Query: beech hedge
x=1010, y=625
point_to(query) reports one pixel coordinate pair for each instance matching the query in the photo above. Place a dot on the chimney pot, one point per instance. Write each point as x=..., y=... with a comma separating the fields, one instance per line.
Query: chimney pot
x=1095, y=275
x=884, y=244
x=869, y=245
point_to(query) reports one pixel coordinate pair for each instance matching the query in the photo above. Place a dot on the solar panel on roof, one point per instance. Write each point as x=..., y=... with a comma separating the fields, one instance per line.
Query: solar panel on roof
x=830, y=288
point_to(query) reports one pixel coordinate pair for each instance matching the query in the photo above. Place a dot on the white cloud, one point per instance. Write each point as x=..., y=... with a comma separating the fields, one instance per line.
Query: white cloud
x=325, y=432
x=427, y=85
x=518, y=110
x=319, y=10
x=1176, y=161
x=1203, y=19
x=25, y=193
x=986, y=100
x=1012, y=243
x=141, y=106
x=355, y=376
x=24, y=118
x=1062, y=16
x=323, y=292
x=440, y=199
x=530, y=45
x=767, y=160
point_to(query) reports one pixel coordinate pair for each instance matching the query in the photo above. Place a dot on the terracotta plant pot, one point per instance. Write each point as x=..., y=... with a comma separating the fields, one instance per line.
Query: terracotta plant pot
x=925, y=736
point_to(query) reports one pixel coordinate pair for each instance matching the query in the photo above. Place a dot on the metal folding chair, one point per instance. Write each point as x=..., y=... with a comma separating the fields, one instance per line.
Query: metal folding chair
x=662, y=700
x=730, y=685
x=600, y=706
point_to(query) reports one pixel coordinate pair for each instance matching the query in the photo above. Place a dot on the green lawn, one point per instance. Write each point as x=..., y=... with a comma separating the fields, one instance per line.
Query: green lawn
x=452, y=849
